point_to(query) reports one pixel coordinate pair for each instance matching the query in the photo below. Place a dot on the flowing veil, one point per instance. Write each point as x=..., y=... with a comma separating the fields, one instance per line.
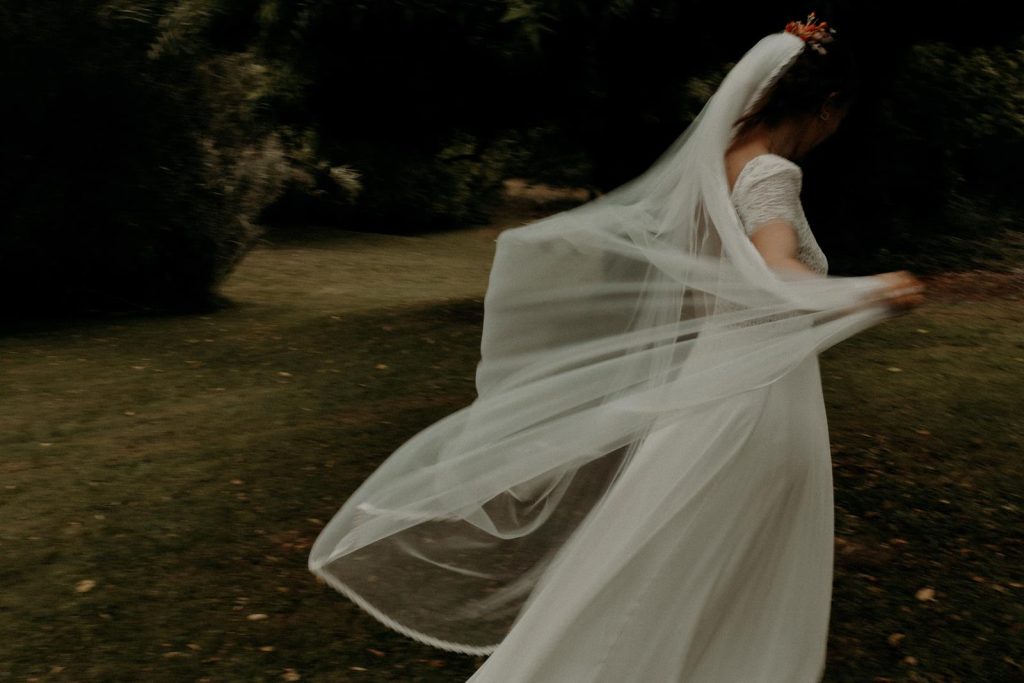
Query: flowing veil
x=601, y=324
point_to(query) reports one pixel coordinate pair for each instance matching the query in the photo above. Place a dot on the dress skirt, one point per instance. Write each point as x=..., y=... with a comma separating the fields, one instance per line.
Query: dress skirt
x=708, y=561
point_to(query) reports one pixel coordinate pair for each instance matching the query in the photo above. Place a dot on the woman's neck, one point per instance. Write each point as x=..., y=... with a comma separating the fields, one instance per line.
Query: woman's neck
x=788, y=139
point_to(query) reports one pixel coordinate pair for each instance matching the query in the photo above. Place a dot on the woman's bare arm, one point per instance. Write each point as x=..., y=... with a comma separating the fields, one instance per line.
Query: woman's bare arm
x=777, y=243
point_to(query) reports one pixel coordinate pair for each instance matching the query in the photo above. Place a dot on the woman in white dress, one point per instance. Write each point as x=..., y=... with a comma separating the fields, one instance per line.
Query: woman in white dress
x=642, y=491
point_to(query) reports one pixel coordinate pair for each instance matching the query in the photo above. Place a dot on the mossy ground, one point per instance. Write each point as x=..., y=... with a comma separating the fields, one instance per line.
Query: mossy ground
x=163, y=477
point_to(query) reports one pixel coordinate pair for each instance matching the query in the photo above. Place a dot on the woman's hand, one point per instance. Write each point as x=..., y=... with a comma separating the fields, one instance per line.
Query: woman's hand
x=902, y=291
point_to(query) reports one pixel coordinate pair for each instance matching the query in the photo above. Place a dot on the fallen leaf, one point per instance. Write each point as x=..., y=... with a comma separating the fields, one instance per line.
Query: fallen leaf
x=256, y=617
x=895, y=639
x=925, y=594
x=291, y=675
x=85, y=586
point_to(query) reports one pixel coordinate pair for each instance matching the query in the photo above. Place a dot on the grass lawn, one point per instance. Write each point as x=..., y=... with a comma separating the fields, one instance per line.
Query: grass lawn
x=162, y=478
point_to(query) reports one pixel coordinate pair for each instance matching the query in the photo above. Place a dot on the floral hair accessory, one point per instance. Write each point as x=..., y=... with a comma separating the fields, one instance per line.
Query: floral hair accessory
x=813, y=32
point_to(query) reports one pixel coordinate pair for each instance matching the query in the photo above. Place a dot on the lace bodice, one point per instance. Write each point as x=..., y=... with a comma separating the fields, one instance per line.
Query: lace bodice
x=768, y=188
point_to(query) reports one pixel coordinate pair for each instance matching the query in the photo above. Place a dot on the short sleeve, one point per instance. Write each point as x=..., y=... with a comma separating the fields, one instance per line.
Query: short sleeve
x=771, y=194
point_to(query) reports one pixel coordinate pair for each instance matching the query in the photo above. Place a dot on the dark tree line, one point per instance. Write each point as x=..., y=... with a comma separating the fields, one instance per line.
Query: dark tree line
x=152, y=141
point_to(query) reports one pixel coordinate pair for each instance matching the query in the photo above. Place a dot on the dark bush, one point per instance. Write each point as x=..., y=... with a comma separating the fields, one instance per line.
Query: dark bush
x=132, y=168
x=927, y=174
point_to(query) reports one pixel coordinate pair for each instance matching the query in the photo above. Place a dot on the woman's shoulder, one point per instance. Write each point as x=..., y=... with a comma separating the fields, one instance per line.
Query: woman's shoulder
x=768, y=165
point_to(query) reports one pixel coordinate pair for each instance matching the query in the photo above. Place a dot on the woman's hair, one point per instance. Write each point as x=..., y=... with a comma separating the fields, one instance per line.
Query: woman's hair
x=805, y=85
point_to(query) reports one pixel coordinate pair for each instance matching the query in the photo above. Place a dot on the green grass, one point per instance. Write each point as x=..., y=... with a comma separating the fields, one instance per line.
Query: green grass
x=927, y=437
x=185, y=464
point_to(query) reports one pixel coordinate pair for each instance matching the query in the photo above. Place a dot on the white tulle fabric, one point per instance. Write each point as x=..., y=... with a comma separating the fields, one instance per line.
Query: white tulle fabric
x=641, y=490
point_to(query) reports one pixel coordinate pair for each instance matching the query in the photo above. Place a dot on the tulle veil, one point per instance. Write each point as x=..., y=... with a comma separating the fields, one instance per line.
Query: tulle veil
x=601, y=323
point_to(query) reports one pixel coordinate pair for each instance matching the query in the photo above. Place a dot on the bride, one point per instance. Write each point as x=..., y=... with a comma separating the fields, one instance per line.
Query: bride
x=642, y=489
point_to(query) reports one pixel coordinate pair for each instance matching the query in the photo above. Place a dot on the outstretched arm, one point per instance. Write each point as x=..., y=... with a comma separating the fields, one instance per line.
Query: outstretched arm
x=777, y=243
x=769, y=207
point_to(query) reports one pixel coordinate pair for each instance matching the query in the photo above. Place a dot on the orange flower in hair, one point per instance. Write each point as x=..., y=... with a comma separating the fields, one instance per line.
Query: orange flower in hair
x=813, y=32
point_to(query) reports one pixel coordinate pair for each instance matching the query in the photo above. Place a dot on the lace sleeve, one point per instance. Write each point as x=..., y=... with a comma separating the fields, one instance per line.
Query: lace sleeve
x=772, y=194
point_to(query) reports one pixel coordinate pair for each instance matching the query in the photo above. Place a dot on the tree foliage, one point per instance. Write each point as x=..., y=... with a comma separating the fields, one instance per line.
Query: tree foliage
x=151, y=139
x=138, y=157
x=929, y=168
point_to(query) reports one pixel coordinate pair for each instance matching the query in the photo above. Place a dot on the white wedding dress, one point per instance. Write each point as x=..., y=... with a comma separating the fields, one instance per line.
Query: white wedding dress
x=728, y=573
x=641, y=491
